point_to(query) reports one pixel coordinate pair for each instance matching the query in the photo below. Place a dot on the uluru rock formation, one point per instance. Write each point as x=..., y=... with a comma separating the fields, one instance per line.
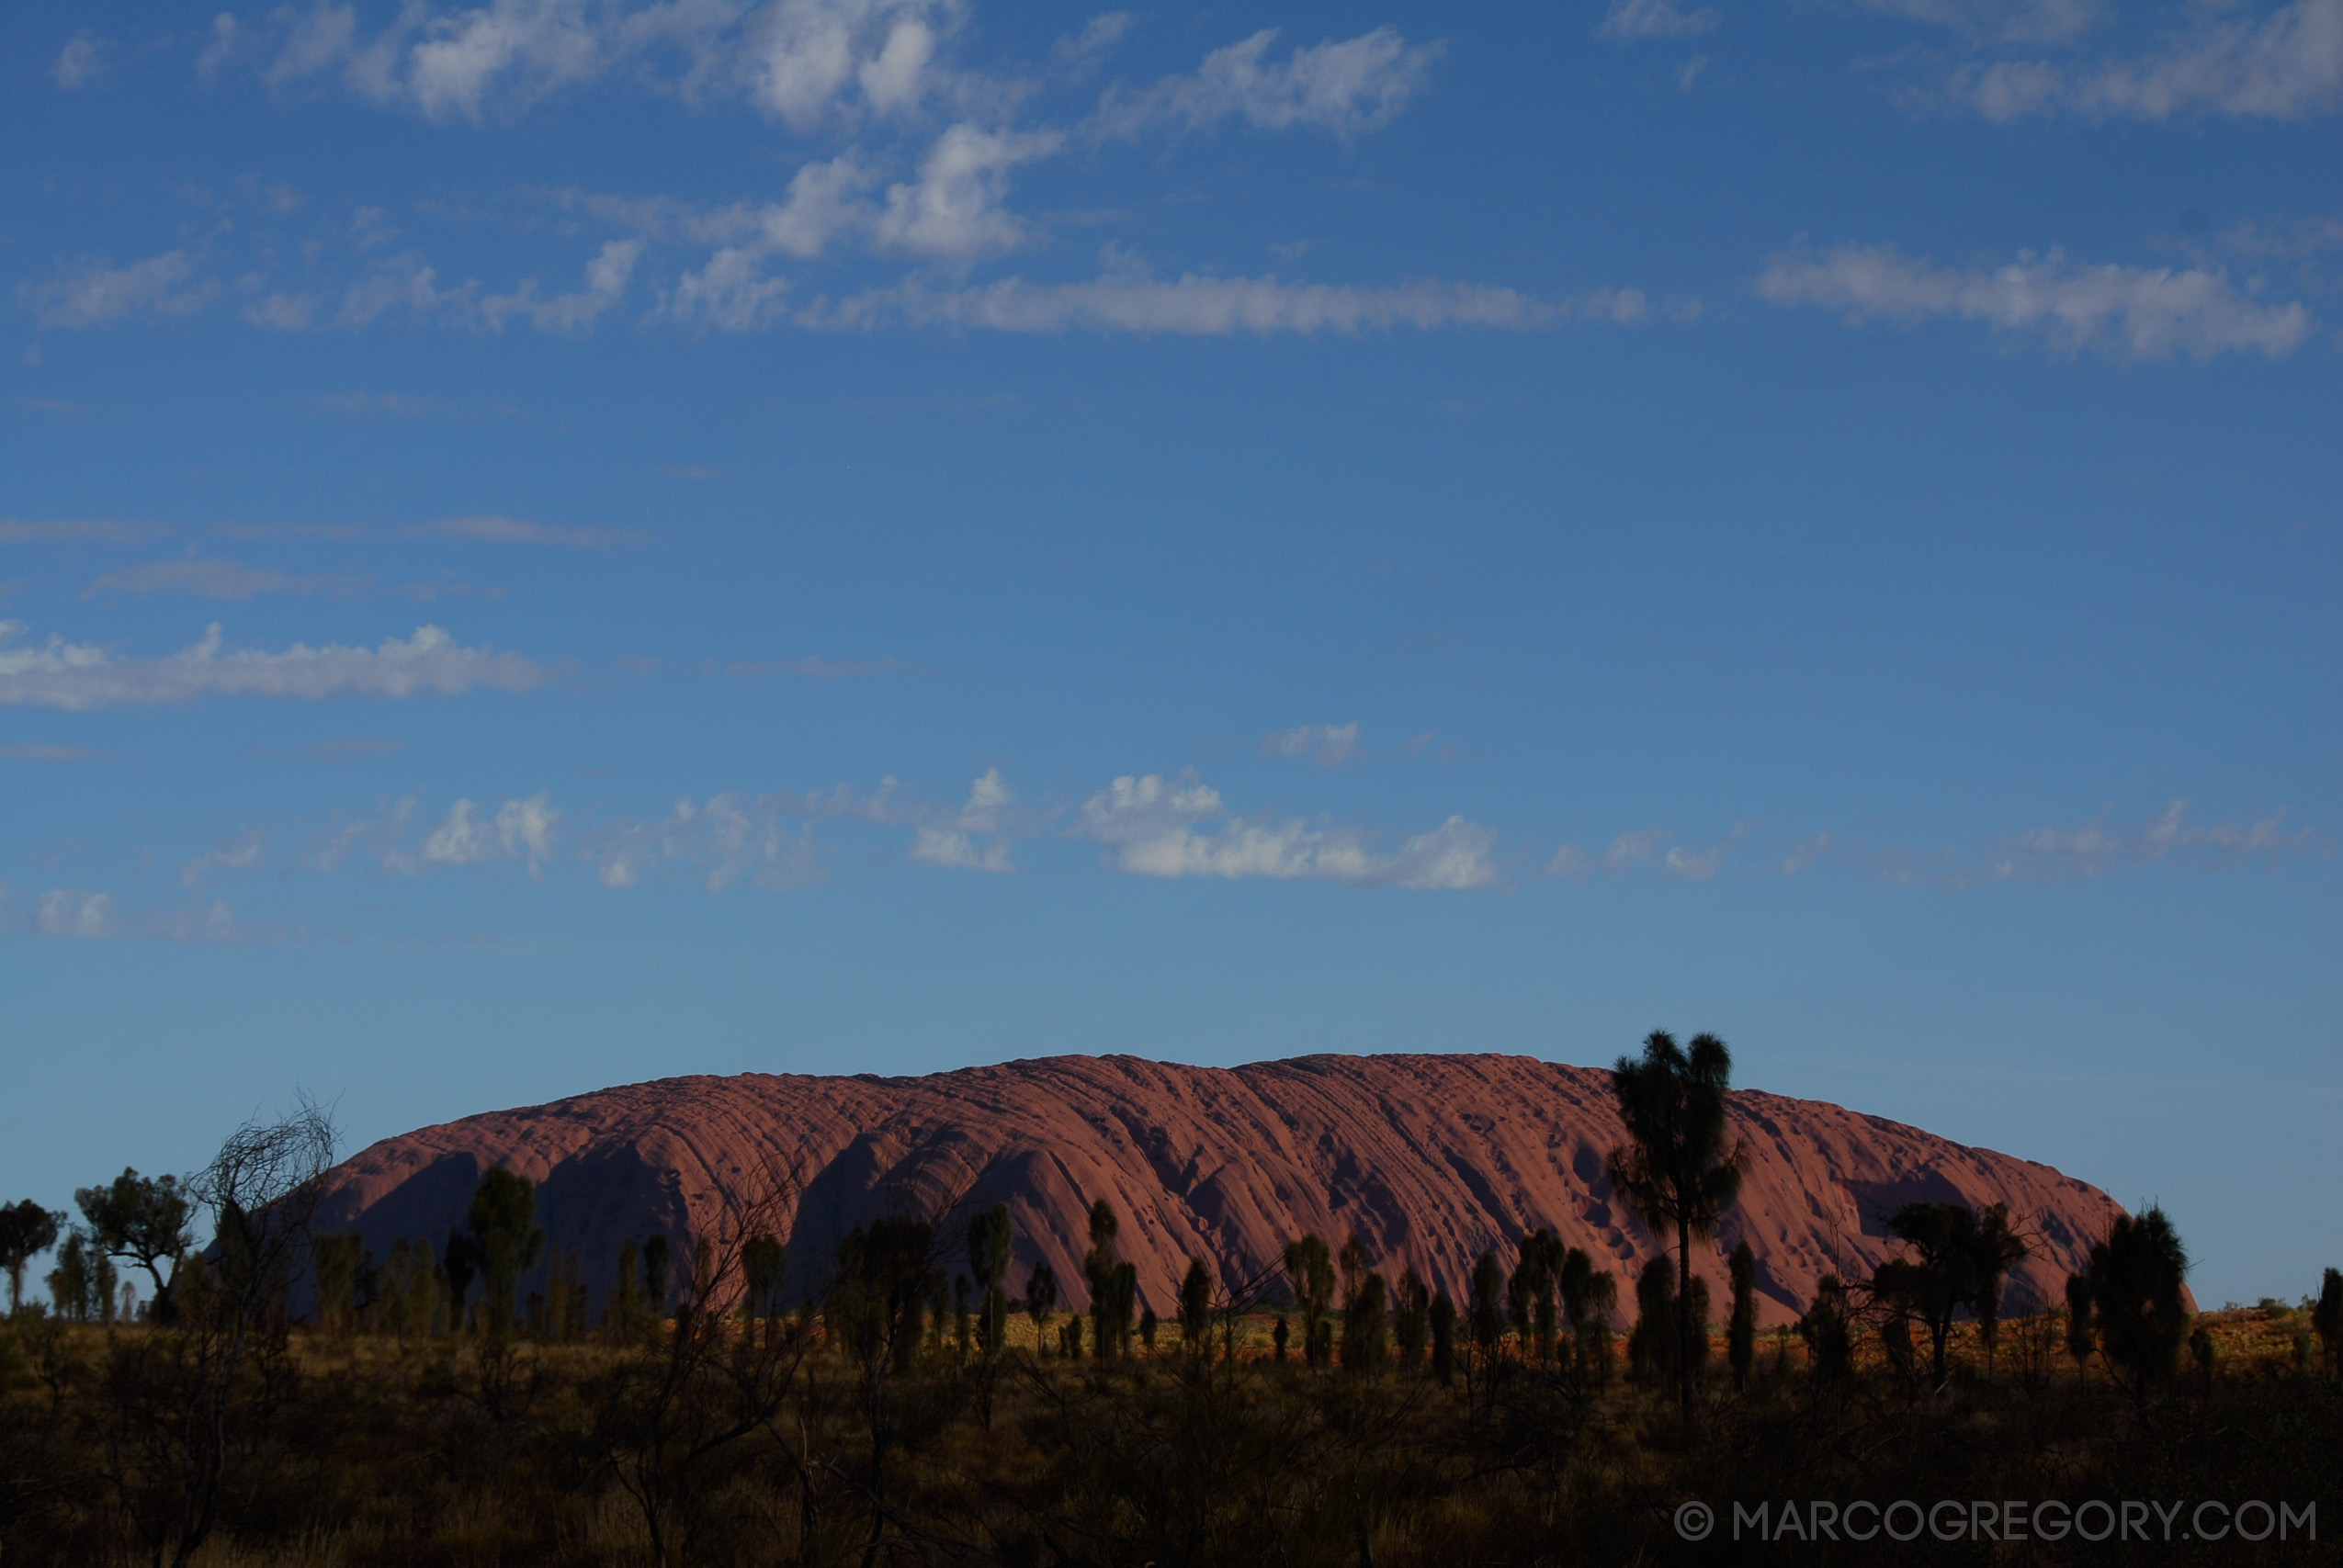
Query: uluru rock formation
x=1429, y=1157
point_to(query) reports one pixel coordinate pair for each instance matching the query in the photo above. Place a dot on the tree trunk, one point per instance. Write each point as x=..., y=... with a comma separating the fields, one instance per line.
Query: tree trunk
x=1684, y=1321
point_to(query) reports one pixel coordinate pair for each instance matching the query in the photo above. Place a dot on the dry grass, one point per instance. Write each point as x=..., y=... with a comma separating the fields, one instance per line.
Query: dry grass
x=388, y=1452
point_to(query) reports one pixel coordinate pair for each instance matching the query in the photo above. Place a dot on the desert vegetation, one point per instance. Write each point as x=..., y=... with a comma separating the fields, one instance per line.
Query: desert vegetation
x=281, y=1397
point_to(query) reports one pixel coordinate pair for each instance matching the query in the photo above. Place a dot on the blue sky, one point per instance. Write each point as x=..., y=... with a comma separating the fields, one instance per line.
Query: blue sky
x=564, y=543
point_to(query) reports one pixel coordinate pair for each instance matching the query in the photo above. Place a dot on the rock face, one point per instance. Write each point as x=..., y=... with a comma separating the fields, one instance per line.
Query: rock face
x=1430, y=1158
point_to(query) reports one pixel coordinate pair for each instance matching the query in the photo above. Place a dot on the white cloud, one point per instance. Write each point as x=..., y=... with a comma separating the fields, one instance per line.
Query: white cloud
x=98, y=292
x=211, y=577
x=81, y=62
x=240, y=852
x=60, y=674
x=605, y=282
x=1633, y=848
x=1217, y=307
x=799, y=61
x=520, y=830
x=953, y=211
x=403, y=282
x=1330, y=744
x=732, y=837
x=1158, y=828
x=2012, y=21
x=70, y=911
x=2096, y=848
x=802, y=58
x=2286, y=65
x=2127, y=312
x=1629, y=20
x=1348, y=87
x=952, y=845
x=1701, y=866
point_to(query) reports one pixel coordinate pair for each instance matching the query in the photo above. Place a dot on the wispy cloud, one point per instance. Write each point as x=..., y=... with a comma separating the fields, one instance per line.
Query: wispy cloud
x=95, y=293
x=78, y=531
x=240, y=852
x=81, y=62
x=1199, y=305
x=2286, y=65
x=470, y=835
x=1348, y=87
x=1331, y=745
x=1155, y=826
x=764, y=841
x=32, y=752
x=1628, y=21
x=1702, y=866
x=499, y=530
x=213, y=578
x=79, y=914
x=2127, y=312
x=60, y=674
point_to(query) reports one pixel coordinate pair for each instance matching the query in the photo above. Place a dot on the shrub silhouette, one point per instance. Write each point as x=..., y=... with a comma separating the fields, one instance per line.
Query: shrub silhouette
x=26, y=1230
x=2328, y=1318
x=991, y=1237
x=1366, y=1310
x=1741, y=1340
x=1309, y=1273
x=1195, y=1308
x=1960, y=1258
x=506, y=1242
x=1441, y=1320
x=2135, y=1281
x=1831, y=1340
x=1041, y=1297
x=1487, y=1303
x=1651, y=1347
x=1675, y=1167
x=1411, y=1317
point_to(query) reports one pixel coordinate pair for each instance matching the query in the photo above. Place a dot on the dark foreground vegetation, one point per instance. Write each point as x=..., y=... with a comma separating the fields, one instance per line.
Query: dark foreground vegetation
x=285, y=1398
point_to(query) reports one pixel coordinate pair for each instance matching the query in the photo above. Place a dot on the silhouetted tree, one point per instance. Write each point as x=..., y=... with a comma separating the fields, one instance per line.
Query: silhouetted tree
x=1831, y=1340
x=1411, y=1317
x=1110, y=1315
x=1486, y=1306
x=459, y=1265
x=1278, y=1335
x=1602, y=1303
x=1195, y=1309
x=765, y=1263
x=507, y=1242
x=1148, y=1322
x=338, y=1263
x=191, y=1418
x=1041, y=1298
x=145, y=1220
x=1675, y=1167
x=1740, y=1336
x=990, y=1237
x=1443, y=1324
x=1529, y=1294
x=2136, y=1284
x=1310, y=1273
x=622, y=1315
x=657, y=1255
x=1659, y=1329
x=1366, y=1310
x=1960, y=1258
x=886, y=1271
x=2082, y=1339
x=26, y=1230
x=72, y=1281
x=2328, y=1318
